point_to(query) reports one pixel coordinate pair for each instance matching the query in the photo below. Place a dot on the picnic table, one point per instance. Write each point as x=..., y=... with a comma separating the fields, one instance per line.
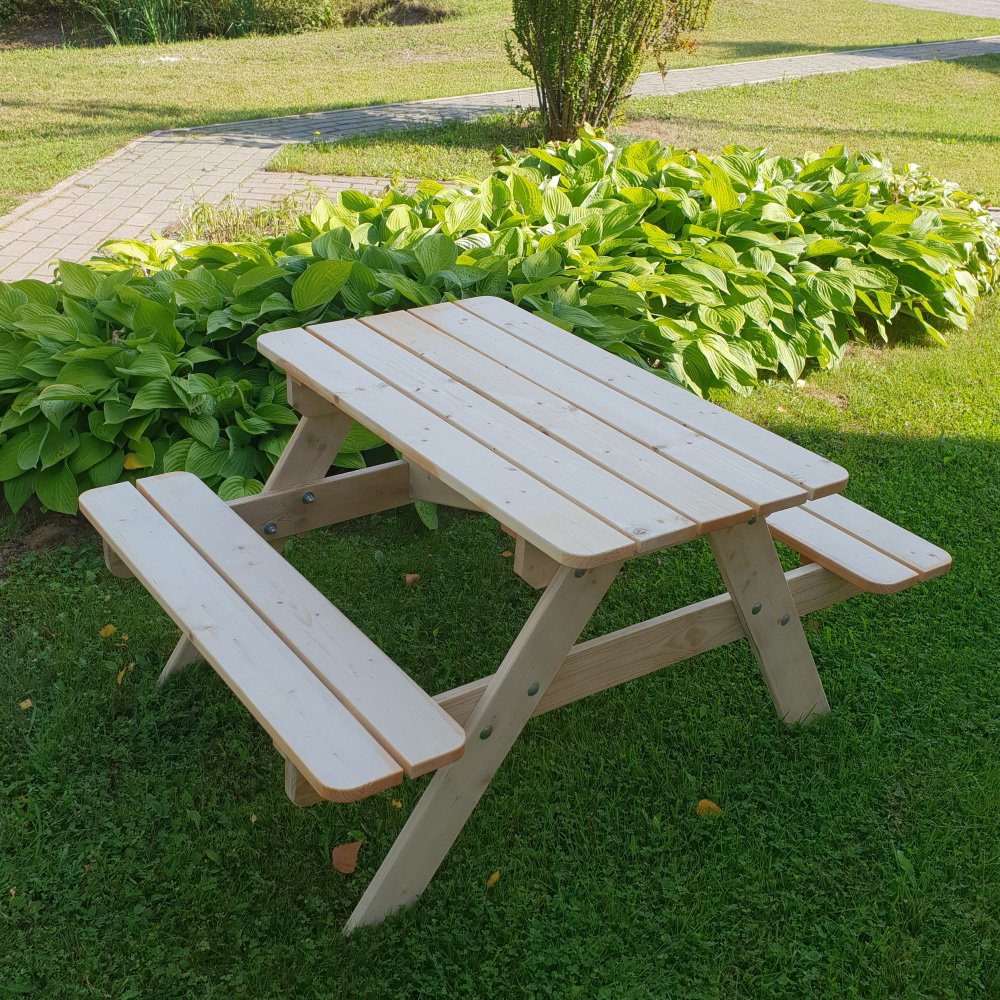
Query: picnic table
x=584, y=458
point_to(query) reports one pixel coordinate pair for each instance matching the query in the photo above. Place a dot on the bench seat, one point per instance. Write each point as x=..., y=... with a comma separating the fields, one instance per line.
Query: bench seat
x=858, y=545
x=340, y=711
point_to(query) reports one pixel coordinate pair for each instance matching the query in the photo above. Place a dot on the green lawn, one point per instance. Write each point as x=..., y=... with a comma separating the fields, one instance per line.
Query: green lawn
x=62, y=109
x=941, y=115
x=146, y=847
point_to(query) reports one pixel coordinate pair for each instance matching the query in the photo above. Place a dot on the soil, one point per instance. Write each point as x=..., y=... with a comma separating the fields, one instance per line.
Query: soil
x=42, y=532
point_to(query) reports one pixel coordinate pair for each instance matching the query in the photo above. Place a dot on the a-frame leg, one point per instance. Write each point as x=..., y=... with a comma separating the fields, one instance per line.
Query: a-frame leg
x=749, y=565
x=506, y=705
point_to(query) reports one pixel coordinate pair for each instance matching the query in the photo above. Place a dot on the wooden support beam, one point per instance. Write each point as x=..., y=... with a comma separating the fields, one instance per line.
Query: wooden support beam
x=642, y=649
x=298, y=790
x=424, y=486
x=532, y=565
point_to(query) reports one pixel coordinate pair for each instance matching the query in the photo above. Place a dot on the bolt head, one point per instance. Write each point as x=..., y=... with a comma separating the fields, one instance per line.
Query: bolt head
x=753, y=519
x=533, y=689
x=308, y=497
x=485, y=734
x=784, y=619
x=270, y=528
x=756, y=609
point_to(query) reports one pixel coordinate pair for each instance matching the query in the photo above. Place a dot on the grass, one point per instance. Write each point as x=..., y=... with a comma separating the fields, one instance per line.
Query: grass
x=62, y=109
x=941, y=115
x=144, y=837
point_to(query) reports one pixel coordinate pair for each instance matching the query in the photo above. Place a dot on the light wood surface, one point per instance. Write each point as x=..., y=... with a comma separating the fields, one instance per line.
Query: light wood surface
x=391, y=706
x=817, y=474
x=756, y=583
x=506, y=705
x=629, y=653
x=532, y=565
x=633, y=512
x=304, y=718
x=560, y=528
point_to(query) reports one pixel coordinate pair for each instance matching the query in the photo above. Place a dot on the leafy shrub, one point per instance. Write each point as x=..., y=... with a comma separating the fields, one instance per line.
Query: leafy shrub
x=584, y=55
x=706, y=270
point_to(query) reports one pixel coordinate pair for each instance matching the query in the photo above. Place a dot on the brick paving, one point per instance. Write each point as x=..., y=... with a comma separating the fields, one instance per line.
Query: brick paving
x=144, y=187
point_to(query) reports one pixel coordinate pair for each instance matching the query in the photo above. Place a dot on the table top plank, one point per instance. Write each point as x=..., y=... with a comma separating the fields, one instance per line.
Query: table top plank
x=633, y=512
x=763, y=490
x=388, y=703
x=306, y=720
x=557, y=526
x=817, y=474
x=687, y=493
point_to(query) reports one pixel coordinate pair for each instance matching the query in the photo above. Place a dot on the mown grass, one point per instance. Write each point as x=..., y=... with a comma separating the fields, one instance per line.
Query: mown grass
x=146, y=847
x=941, y=115
x=62, y=109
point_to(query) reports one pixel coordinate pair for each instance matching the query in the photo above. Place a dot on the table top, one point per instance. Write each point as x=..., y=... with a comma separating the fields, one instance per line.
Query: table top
x=585, y=455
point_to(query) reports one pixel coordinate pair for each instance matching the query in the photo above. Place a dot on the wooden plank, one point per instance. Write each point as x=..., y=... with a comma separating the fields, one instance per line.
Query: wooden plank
x=298, y=790
x=561, y=529
x=826, y=544
x=724, y=468
x=817, y=474
x=686, y=492
x=889, y=538
x=185, y=653
x=424, y=486
x=506, y=705
x=306, y=721
x=310, y=450
x=388, y=703
x=533, y=566
x=634, y=513
x=756, y=583
x=613, y=659
x=338, y=498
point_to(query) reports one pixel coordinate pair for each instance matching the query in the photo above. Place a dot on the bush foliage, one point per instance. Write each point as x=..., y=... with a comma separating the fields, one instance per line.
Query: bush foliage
x=584, y=55
x=707, y=270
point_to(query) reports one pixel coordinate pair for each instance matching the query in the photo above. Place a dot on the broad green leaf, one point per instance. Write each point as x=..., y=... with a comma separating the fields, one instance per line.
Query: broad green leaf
x=319, y=283
x=56, y=488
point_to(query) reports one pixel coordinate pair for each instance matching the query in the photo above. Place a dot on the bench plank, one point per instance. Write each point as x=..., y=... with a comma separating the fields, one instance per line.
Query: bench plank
x=841, y=553
x=633, y=512
x=560, y=528
x=306, y=720
x=886, y=536
x=387, y=702
x=817, y=474
x=655, y=473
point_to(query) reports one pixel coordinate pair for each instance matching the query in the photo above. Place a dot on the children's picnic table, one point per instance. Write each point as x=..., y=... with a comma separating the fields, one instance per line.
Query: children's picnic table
x=585, y=459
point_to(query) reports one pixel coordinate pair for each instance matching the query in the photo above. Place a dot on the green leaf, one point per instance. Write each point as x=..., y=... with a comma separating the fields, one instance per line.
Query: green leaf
x=462, y=214
x=154, y=396
x=201, y=427
x=237, y=487
x=142, y=455
x=77, y=280
x=319, y=283
x=58, y=446
x=88, y=453
x=56, y=489
x=17, y=492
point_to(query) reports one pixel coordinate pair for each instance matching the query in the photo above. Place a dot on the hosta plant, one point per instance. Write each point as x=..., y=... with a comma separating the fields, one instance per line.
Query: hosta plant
x=705, y=270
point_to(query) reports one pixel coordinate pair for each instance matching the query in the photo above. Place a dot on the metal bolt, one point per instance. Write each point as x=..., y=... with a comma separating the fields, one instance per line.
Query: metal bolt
x=270, y=528
x=578, y=573
x=533, y=689
x=308, y=497
x=755, y=610
x=784, y=619
x=753, y=520
x=485, y=734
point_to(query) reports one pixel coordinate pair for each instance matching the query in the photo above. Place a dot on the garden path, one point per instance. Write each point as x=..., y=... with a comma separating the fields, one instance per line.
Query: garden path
x=144, y=186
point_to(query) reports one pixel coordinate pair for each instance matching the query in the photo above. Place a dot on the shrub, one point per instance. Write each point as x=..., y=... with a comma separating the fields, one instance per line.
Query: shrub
x=584, y=55
x=706, y=270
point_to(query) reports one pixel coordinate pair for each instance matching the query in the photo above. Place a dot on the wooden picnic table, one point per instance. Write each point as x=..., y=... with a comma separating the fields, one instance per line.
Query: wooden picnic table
x=585, y=459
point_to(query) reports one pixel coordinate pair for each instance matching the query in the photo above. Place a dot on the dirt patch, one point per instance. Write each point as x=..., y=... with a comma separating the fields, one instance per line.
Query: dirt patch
x=40, y=532
x=833, y=398
x=401, y=12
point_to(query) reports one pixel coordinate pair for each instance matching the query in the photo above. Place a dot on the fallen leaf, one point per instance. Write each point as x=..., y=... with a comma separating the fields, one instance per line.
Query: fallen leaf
x=409, y=579
x=815, y=624
x=24, y=705
x=253, y=817
x=108, y=629
x=506, y=553
x=781, y=409
x=124, y=670
x=12, y=891
x=706, y=807
x=492, y=880
x=396, y=804
x=344, y=857
x=87, y=866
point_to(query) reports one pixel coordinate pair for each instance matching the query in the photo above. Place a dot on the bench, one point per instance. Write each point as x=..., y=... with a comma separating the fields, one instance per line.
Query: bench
x=338, y=709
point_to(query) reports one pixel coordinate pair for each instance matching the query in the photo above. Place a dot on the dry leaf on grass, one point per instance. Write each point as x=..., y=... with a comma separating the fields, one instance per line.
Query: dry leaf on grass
x=706, y=807
x=123, y=672
x=395, y=803
x=409, y=579
x=506, y=553
x=492, y=880
x=344, y=857
x=108, y=630
x=24, y=705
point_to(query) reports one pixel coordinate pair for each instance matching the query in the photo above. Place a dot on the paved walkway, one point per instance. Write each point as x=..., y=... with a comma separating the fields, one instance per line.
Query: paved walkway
x=144, y=186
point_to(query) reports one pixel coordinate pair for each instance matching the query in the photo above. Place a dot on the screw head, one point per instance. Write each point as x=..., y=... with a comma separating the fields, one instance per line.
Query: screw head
x=753, y=519
x=579, y=572
x=308, y=497
x=533, y=689
x=784, y=619
x=270, y=528
x=485, y=734
x=756, y=609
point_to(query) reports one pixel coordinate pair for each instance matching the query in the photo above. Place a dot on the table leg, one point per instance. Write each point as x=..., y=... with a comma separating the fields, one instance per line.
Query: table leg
x=506, y=705
x=749, y=565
